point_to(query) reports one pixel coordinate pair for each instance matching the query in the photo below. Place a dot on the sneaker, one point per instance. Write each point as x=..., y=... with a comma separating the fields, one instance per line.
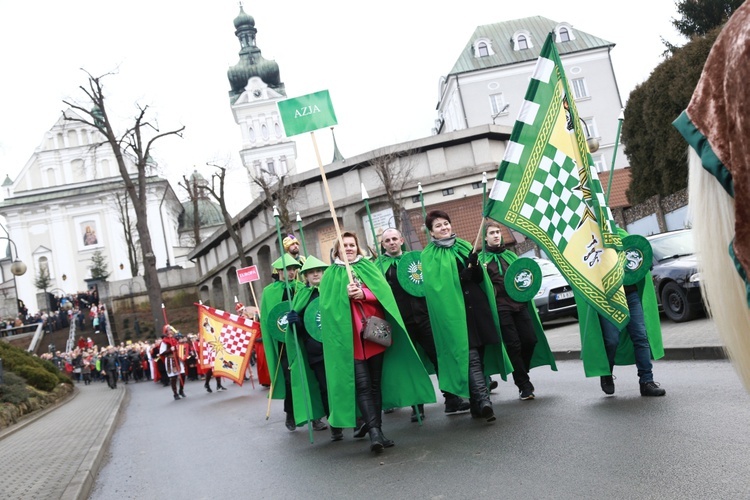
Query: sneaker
x=182, y=394
x=456, y=404
x=652, y=389
x=319, y=425
x=221, y=388
x=608, y=385
x=176, y=397
x=337, y=434
x=290, y=424
x=527, y=393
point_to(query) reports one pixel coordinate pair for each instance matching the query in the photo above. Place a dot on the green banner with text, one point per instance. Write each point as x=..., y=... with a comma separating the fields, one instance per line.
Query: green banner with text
x=307, y=113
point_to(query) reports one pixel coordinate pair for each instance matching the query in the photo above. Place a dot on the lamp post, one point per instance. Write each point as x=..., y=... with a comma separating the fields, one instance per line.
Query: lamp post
x=17, y=268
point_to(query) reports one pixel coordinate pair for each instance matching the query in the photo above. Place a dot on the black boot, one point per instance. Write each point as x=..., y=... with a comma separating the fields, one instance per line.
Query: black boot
x=337, y=434
x=454, y=404
x=208, y=388
x=376, y=440
x=481, y=406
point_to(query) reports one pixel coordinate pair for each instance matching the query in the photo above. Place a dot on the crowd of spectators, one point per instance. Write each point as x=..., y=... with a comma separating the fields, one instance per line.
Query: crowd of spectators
x=81, y=307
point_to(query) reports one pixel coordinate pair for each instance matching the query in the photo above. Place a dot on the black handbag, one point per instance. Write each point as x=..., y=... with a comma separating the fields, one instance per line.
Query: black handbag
x=376, y=329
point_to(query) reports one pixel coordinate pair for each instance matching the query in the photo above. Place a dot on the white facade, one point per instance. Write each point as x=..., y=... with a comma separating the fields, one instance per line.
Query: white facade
x=266, y=152
x=489, y=80
x=61, y=209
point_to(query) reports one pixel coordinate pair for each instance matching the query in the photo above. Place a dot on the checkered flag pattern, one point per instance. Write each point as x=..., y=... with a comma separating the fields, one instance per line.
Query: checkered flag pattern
x=554, y=203
x=235, y=339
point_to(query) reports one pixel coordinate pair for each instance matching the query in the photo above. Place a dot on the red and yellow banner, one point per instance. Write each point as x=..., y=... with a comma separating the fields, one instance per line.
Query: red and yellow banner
x=225, y=343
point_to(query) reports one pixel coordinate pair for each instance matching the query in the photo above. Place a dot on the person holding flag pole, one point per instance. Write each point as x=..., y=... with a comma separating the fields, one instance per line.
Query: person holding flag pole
x=313, y=424
x=547, y=188
x=465, y=324
x=273, y=295
x=404, y=380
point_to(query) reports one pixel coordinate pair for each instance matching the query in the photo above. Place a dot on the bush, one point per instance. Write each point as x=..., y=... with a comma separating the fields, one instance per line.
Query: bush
x=38, y=377
x=13, y=389
x=16, y=360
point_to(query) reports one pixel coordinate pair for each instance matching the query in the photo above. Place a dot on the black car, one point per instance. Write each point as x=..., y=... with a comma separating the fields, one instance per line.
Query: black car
x=555, y=298
x=676, y=276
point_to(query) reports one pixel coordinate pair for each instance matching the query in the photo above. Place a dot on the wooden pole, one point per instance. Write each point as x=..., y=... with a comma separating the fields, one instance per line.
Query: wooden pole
x=331, y=208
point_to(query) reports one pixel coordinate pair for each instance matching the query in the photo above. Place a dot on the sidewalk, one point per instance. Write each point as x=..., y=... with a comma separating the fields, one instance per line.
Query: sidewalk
x=57, y=453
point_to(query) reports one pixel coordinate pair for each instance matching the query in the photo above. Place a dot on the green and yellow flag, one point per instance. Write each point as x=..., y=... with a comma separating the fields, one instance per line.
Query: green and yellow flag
x=547, y=188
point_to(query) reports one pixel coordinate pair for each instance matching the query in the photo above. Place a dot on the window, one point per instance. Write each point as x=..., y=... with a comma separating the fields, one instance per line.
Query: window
x=600, y=163
x=447, y=192
x=476, y=185
x=251, y=133
x=482, y=50
x=270, y=167
x=277, y=129
x=284, y=168
x=580, y=90
x=523, y=43
x=497, y=103
x=264, y=132
x=415, y=199
x=590, y=127
x=564, y=35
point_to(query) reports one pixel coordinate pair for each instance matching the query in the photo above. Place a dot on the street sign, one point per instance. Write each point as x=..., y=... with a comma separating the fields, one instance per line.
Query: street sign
x=248, y=274
x=307, y=113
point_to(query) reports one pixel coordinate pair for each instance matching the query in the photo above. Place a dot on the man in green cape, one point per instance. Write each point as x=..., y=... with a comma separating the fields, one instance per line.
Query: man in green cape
x=306, y=360
x=278, y=366
x=405, y=381
x=603, y=345
x=413, y=311
x=445, y=289
x=521, y=328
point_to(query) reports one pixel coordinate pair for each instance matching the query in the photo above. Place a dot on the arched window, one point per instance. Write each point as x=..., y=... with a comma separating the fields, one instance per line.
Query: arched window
x=564, y=35
x=72, y=138
x=264, y=132
x=482, y=49
x=251, y=133
x=277, y=129
x=523, y=43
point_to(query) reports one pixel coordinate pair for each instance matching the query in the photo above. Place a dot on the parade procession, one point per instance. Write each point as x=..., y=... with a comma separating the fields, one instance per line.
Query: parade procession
x=346, y=340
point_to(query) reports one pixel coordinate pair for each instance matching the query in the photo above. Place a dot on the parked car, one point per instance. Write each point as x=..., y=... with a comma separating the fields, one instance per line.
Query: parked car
x=676, y=276
x=555, y=297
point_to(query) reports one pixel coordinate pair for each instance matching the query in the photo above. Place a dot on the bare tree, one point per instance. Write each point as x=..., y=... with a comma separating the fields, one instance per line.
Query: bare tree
x=277, y=192
x=136, y=142
x=122, y=202
x=233, y=228
x=394, y=169
x=195, y=193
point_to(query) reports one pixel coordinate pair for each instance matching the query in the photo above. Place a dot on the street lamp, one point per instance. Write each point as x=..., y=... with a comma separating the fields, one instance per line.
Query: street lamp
x=592, y=142
x=17, y=268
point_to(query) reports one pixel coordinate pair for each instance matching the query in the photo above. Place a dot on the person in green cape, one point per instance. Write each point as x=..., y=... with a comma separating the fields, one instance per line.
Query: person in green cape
x=312, y=349
x=464, y=320
x=603, y=345
x=414, y=313
x=520, y=326
x=276, y=352
x=360, y=373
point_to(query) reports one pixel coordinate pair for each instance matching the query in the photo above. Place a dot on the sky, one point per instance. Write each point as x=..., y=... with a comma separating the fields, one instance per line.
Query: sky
x=381, y=62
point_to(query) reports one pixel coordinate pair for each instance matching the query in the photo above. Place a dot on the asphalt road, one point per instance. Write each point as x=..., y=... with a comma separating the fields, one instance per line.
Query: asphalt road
x=572, y=442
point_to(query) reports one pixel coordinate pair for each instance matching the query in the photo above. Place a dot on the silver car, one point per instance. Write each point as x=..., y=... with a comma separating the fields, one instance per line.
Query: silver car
x=555, y=297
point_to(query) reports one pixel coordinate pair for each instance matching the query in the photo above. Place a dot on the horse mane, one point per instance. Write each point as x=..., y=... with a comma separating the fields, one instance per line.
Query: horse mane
x=712, y=215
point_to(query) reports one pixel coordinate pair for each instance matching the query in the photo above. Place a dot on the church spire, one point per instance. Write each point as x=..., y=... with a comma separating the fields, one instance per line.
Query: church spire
x=251, y=61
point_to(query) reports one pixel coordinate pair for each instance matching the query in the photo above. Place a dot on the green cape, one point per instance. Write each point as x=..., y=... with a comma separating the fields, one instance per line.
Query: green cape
x=305, y=389
x=593, y=353
x=405, y=381
x=272, y=295
x=542, y=352
x=445, y=304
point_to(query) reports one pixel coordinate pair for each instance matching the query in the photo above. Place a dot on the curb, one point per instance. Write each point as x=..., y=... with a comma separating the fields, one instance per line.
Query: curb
x=83, y=479
x=706, y=353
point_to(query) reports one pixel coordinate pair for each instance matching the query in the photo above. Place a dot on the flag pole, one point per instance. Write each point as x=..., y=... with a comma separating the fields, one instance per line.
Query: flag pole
x=301, y=234
x=424, y=212
x=620, y=119
x=330, y=207
x=366, y=199
x=287, y=286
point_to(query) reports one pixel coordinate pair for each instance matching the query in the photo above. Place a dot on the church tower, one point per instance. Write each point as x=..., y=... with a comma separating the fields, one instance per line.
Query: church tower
x=256, y=87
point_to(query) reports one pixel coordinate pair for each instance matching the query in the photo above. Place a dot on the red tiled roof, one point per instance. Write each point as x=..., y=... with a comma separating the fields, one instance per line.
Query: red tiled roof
x=620, y=185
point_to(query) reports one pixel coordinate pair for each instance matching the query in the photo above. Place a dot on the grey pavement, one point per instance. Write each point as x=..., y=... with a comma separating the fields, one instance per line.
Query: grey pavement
x=58, y=453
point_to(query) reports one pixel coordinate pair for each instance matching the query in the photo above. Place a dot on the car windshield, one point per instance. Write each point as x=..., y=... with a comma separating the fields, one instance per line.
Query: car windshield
x=548, y=268
x=672, y=245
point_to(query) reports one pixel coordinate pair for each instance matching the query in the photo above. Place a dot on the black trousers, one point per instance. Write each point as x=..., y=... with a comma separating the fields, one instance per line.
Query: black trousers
x=519, y=338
